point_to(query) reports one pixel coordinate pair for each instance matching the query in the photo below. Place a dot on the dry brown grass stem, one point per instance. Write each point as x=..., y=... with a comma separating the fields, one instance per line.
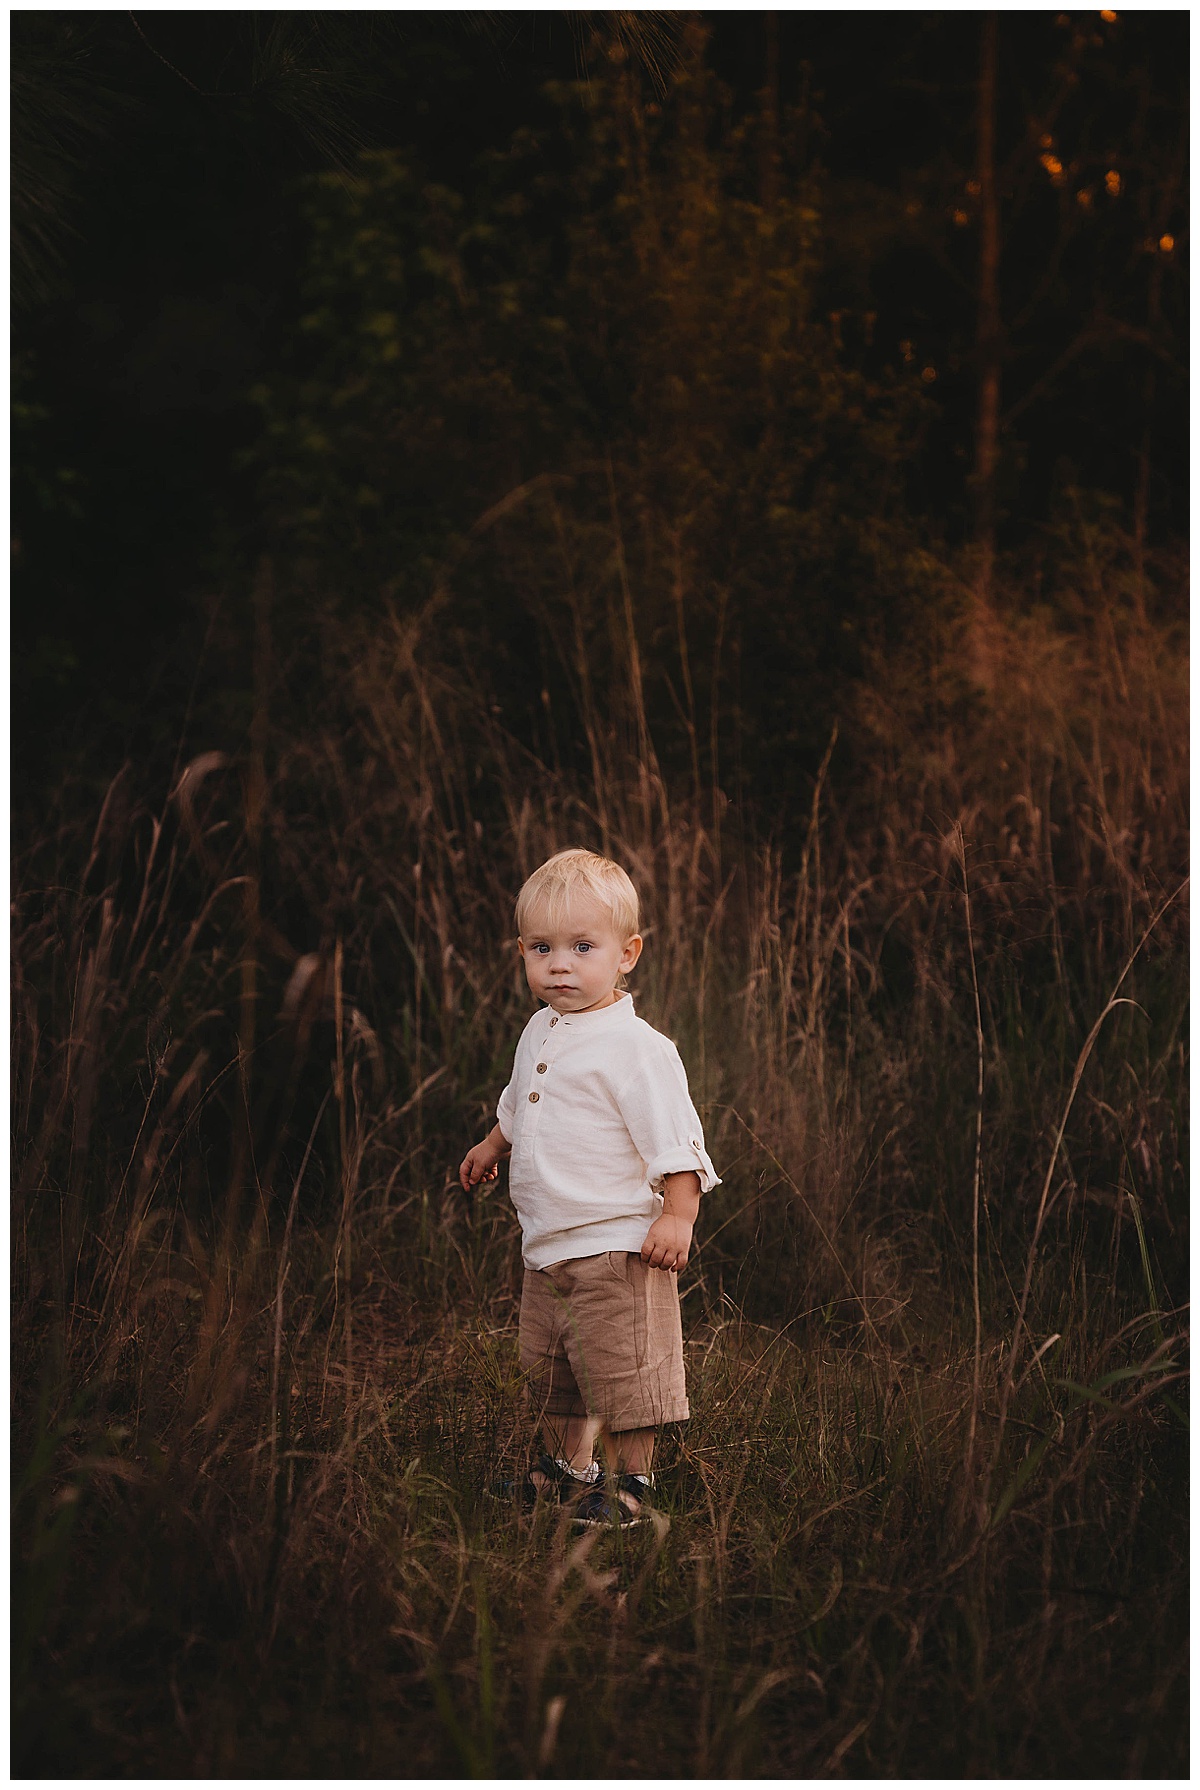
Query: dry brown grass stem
x=977, y=1365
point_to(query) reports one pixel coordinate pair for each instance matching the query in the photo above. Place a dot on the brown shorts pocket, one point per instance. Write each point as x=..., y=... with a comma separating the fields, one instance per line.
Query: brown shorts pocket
x=630, y=1271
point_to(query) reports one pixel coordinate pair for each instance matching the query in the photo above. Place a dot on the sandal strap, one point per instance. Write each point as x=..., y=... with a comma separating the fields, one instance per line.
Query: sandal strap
x=549, y=1467
x=562, y=1483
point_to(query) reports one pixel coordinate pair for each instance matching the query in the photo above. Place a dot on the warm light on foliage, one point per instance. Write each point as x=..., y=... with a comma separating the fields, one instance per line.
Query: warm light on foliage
x=1110, y=18
x=1053, y=167
x=1166, y=244
x=1084, y=197
x=929, y=374
x=961, y=218
x=1112, y=181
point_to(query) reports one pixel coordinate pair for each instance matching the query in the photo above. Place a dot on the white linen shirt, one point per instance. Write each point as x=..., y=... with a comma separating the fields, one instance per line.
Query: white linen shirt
x=597, y=1112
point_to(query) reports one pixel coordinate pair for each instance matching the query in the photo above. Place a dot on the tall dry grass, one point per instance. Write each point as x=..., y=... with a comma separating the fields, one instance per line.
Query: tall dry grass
x=928, y=1515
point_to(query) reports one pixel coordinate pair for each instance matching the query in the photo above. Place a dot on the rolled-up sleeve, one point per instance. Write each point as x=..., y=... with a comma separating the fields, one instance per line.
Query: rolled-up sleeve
x=663, y=1122
x=506, y=1112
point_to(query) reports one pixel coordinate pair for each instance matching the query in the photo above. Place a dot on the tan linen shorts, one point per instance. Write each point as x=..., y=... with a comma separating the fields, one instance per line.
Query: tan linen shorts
x=601, y=1337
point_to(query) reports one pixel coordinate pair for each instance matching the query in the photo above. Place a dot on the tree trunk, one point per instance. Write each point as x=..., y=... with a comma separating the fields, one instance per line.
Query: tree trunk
x=768, y=151
x=989, y=327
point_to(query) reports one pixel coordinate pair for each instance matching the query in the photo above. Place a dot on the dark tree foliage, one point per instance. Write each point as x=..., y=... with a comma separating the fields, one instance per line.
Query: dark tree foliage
x=333, y=286
x=610, y=331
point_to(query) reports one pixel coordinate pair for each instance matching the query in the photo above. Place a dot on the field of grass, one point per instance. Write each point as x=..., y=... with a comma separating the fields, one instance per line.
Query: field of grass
x=929, y=1516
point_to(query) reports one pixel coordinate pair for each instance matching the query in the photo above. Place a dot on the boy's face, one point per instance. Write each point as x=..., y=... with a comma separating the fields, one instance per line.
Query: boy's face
x=573, y=963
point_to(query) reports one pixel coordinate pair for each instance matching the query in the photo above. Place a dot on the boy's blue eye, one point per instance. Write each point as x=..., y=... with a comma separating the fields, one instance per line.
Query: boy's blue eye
x=541, y=948
x=583, y=947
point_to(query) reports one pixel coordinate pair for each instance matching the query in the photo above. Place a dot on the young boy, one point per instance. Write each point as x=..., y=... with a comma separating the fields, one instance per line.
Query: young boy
x=608, y=1165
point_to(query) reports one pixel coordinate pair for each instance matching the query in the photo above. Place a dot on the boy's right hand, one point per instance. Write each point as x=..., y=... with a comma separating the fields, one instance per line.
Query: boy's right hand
x=479, y=1164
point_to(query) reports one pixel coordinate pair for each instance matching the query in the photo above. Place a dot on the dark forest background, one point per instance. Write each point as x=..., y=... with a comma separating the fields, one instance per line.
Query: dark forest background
x=751, y=444
x=330, y=287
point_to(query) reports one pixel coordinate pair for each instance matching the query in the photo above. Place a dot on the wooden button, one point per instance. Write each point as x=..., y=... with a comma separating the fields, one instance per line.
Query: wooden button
x=541, y=1068
x=535, y=1096
x=554, y=1021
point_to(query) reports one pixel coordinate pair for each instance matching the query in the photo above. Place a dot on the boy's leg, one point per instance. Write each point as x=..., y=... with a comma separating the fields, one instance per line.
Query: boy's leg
x=558, y=1406
x=629, y=1451
x=625, y=1345
x=571, y=1439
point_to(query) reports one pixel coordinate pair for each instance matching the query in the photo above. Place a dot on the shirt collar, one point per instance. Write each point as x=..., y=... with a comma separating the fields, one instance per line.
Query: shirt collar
x=601, y=1018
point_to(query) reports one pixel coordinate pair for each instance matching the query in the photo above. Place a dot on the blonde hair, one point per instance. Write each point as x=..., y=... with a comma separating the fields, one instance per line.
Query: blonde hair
x=569, y=873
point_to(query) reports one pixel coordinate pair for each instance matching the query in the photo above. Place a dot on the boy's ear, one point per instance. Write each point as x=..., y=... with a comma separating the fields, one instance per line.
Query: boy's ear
x=633, y=950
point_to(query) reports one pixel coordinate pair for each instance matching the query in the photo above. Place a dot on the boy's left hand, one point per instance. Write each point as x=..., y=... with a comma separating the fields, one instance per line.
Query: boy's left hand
x=667, y=1243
